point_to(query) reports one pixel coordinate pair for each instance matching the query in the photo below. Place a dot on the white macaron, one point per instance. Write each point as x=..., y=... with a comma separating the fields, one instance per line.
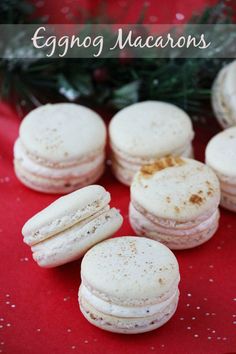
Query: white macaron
x=224, y=96
x=145, y=132
x=175, y=201
x=60, y=148
x=72, y=224
x=129, y=285
x=221, y=157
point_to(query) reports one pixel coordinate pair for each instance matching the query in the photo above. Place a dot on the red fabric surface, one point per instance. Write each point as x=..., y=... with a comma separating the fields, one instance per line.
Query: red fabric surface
x=39, y=310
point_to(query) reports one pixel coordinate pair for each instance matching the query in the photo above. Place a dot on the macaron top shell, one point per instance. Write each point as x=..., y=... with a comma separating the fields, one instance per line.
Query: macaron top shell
x=62, y=133
x=178, y=189
x=130, y=271
x=150, y=129
x=221, y=152
x=65, y=212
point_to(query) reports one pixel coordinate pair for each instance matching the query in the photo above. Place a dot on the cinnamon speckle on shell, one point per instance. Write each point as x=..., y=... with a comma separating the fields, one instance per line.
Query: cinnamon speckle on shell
x=161, y=164
x=196, y=199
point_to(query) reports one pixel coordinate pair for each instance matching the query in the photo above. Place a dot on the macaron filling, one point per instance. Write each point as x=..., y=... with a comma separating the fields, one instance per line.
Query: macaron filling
x=65, y=221
x=164, y=226
x=71, y=243
x=125, y=311
x=78, y=170
x=126, y=159
x=173, y=237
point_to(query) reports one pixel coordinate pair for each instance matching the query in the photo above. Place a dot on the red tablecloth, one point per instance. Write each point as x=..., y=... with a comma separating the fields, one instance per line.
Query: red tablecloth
x=39, y=310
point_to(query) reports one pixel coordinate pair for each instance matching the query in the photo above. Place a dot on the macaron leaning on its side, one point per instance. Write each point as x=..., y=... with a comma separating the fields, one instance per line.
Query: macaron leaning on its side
x=146, y=131
x=72, y=224
x=129, y=285
x=224, y=96
x=221, y=157
x=60, y=148
x=175, y=201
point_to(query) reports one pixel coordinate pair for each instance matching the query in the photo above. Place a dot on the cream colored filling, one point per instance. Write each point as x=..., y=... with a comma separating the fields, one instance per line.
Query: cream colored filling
x=52, y=172
x=133, y=163
x=124, y=311
x=143, y=221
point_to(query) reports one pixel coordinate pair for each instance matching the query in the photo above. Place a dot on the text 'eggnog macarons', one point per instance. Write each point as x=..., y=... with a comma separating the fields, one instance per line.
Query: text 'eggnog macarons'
x=67, y=228
x=221, y=157
x=60, y=148
x=224, y=96
x=145, y=132
x=129, y=285
x=175, y=201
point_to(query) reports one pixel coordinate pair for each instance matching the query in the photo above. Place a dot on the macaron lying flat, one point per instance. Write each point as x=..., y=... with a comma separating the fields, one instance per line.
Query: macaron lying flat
x=60, y=148
x=72, y=224
x=145, y=132
x=224, y=96
x=175, y=201
x=221, y=157
x=129, y=285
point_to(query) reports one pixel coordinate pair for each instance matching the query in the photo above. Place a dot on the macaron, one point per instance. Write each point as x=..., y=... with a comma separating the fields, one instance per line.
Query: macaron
x=224, y=96
x=175, y=201
x=221, y=157
x=146, y=131
x=72, y=224
x=60, y=148
x=129, y=285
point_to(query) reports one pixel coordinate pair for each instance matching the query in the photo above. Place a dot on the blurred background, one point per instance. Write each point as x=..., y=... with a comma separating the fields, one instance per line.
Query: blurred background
x=122, y=11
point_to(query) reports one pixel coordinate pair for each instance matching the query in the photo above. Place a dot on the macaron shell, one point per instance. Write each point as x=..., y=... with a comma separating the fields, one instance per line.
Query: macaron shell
x=72, y=243
x=127, y=325
x=178, y=189
x=148, y=273
x=229, y=89
x=65, y=212
x=150, y=129
x=62, y=133
x=218, y=101
x=221, y=154
x=224, y=96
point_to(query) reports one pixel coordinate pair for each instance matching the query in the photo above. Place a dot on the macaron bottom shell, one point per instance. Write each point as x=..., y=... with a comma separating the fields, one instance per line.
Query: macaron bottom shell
x=126, y=325
x=56, y=186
